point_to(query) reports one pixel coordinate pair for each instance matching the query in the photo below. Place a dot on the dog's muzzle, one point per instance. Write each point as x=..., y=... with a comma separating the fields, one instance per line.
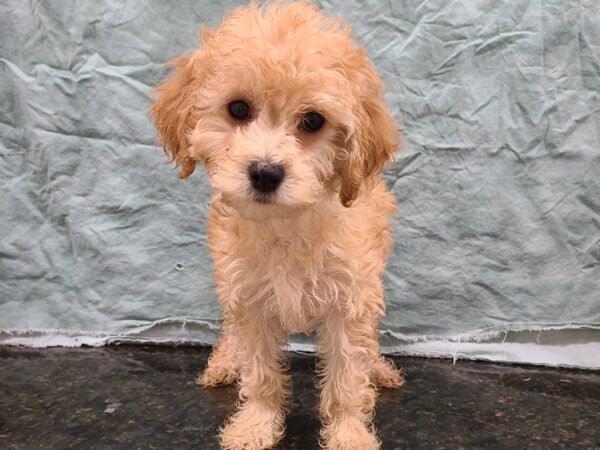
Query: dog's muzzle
x=264, y=177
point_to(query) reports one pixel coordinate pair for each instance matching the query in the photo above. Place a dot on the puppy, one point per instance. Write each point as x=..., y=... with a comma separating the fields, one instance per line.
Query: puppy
x=286, y=114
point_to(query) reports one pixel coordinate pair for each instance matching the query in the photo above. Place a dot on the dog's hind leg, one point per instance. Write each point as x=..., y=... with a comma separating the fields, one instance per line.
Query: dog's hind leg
x=222, y=367
x=384, y=374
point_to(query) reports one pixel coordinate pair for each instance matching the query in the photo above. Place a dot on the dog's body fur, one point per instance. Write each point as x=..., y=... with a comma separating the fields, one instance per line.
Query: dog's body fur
x=311, y=254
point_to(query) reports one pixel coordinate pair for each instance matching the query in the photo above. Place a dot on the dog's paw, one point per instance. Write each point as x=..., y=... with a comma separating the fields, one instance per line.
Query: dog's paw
x=384, y=374
x=252, y=427
x=348, y=433
x=216, y=375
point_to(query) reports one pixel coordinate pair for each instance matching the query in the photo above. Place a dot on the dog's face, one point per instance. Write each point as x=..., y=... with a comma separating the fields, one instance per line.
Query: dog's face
x=280, y=106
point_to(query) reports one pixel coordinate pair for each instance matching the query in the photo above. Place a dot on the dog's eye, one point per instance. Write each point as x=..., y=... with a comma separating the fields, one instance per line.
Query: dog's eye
x=239, y=110
x=312, y=121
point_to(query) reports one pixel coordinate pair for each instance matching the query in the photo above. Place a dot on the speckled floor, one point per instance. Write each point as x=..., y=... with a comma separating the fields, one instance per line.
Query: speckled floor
x=139, y=397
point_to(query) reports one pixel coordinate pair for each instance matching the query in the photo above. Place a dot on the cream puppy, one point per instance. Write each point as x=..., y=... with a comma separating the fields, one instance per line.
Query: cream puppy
x=286, y=114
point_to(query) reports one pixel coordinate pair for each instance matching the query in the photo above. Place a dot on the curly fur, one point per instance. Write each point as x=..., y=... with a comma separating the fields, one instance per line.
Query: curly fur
x=312, y=256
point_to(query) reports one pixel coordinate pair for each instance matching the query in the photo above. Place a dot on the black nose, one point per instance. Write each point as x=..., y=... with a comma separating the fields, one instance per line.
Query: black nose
x=265, y=177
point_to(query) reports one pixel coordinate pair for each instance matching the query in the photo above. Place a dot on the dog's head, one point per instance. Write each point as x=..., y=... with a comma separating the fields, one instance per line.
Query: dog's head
x=280, y=105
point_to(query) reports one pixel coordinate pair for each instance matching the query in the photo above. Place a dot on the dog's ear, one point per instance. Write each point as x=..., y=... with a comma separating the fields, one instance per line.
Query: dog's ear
x=372, y=144
x=173, y=110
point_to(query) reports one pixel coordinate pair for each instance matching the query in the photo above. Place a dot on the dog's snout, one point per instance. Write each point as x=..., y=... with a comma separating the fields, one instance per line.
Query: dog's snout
x=265, y=177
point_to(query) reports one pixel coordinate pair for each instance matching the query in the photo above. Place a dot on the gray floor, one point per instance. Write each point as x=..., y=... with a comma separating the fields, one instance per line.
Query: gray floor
x=140, y=397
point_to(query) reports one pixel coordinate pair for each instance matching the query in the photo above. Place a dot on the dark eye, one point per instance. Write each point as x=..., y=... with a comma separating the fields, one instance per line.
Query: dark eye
x=239, y=110
x=312, y=121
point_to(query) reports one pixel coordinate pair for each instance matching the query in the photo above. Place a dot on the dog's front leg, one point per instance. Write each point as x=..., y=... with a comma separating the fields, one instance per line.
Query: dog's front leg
x=347, y=348
x=258, y=422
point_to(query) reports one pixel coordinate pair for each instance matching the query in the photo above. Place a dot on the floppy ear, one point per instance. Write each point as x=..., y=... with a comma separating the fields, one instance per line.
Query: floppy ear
x=173, y=111
x=373, y=143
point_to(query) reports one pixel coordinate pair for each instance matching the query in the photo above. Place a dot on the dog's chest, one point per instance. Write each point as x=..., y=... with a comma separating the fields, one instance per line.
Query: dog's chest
x=292, y=269
x=292, y=279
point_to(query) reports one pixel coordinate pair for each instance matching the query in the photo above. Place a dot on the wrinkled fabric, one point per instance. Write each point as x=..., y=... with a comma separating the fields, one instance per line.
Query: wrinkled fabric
x=498, y=181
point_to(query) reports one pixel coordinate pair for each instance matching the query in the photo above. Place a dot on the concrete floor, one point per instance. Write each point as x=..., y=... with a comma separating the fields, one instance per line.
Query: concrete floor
x=145, y=397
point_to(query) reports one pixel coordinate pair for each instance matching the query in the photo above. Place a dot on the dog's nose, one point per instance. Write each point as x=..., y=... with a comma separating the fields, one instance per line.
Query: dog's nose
x=265, y=177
